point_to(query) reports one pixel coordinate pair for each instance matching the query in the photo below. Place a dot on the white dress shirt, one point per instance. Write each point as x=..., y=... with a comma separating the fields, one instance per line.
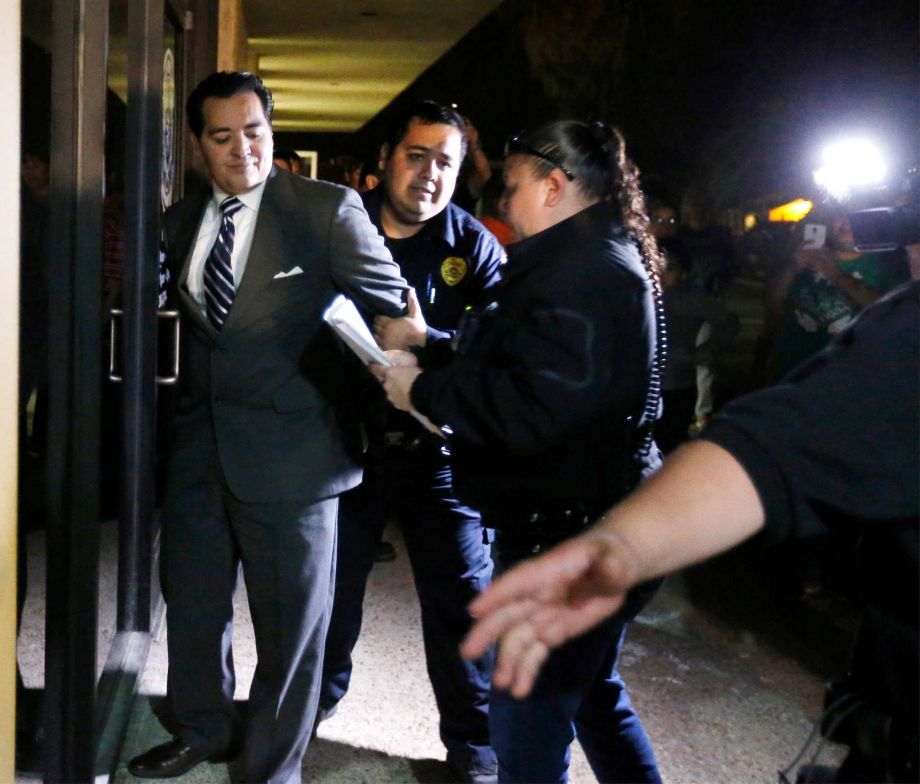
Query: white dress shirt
x=244, y=225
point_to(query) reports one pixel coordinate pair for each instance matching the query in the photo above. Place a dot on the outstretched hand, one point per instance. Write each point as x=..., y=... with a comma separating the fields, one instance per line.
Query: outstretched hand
x=542, y=603
x=405, y=331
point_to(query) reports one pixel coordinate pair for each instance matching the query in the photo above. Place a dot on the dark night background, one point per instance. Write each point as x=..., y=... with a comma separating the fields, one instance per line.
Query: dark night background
x=738, y=95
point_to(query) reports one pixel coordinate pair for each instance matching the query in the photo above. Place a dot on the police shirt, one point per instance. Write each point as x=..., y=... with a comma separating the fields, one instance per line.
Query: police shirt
x=452, y=264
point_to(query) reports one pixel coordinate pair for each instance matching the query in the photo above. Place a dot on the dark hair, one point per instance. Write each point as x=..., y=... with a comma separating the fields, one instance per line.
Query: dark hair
x=427, y=113
x=595, y=156
x=225, y=84
x=676, y=251
x=369, y=166
x=287, y=154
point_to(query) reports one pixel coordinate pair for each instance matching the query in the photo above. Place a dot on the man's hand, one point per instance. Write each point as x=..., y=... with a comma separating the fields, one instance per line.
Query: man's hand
x=401, y=358
x=701, y=502
x=820, y=260
x=824, y=262
x=540, y=604
x=404, y=332
x=397, y=382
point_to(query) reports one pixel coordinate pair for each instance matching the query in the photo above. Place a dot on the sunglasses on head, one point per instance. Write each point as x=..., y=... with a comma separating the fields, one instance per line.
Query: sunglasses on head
x=515, y=145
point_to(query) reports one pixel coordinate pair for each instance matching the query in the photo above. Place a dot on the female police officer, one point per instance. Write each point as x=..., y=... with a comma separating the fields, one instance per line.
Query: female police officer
x=550, y=397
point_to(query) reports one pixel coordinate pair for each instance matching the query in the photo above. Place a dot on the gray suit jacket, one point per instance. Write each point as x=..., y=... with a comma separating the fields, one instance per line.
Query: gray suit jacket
x=269, y=392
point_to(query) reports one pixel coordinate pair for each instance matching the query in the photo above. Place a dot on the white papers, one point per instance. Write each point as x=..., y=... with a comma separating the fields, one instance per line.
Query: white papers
x=343, y=317
x=346, y=322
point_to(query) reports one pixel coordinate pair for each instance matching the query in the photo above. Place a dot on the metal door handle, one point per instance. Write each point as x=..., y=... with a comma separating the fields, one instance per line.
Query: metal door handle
x=115, y=315
x=173, y=377
x=166, y=380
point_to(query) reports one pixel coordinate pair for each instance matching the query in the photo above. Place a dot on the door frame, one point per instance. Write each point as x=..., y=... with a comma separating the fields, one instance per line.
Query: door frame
x=77, y=750
x=9, y=358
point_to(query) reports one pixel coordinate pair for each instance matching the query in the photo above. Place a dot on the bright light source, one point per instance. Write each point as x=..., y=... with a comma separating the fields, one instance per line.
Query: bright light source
x=849, y=164
x=791, y=212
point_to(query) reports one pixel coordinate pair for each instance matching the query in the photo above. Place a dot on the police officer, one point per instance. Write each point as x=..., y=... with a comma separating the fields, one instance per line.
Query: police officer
x=452, y=262
x=551, y=401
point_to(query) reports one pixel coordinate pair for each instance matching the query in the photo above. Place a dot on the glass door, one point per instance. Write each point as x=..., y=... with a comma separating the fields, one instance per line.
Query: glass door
x=101, y=157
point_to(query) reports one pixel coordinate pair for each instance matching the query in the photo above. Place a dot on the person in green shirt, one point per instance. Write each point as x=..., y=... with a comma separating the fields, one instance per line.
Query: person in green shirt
x=826, y=288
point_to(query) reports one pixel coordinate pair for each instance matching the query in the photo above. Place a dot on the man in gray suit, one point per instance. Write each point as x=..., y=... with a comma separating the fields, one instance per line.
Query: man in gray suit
x=261, y=448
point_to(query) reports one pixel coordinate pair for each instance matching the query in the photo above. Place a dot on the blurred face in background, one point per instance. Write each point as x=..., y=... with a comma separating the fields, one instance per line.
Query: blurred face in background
x=663, y=222
x=840, y=234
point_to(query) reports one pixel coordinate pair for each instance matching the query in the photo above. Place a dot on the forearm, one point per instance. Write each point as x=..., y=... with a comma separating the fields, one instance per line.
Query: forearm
x=699, y=504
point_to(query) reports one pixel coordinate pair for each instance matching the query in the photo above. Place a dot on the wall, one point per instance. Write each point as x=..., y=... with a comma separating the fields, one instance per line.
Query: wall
x=9, y=358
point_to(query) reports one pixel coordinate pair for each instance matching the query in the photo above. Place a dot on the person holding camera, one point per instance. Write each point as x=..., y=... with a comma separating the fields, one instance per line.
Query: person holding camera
x=826, y=287
x=834, y=446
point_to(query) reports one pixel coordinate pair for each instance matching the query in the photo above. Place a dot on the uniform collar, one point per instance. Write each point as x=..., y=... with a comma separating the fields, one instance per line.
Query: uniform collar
x=546, y=246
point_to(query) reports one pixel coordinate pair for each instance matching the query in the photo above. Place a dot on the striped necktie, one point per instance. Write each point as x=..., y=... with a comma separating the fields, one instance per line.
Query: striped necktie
x=219, y=290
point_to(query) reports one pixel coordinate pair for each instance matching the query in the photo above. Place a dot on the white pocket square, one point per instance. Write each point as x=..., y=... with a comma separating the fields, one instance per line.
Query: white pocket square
x=289, y=273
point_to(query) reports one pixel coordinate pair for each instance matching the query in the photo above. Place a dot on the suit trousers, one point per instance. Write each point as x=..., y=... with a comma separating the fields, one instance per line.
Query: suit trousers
x=287, y=551
x=451, y=563
x=579, y=693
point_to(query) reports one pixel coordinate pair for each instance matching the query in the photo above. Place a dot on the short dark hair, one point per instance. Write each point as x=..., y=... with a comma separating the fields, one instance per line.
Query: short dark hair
x=225, y=84
x=287, y=154
x=427, y=113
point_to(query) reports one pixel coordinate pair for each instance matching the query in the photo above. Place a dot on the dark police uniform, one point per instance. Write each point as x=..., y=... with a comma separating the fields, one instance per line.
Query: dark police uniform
x=833, y=446
x=548, y=401
x=452, y=263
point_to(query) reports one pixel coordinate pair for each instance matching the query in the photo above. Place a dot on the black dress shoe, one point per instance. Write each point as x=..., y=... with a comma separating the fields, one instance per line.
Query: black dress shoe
x=167, y=760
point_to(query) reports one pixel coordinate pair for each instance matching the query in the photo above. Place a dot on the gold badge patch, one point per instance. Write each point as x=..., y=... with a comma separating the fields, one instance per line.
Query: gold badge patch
x=453, y=270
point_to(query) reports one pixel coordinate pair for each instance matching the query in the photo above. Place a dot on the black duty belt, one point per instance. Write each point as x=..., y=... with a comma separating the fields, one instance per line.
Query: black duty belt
x=408, y=442
x=540, y=529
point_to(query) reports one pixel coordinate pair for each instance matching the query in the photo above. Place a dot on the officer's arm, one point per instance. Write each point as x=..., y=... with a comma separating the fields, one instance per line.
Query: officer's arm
x=702, y=502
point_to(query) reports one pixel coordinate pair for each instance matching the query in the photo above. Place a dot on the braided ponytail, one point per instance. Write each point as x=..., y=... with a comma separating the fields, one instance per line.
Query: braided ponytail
x=633, y=213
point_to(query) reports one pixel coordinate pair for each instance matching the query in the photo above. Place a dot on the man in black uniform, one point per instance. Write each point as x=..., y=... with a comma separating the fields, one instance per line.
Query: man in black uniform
x=452, y=262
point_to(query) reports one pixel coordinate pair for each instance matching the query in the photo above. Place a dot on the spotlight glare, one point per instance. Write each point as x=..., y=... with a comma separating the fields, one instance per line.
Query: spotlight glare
x=850, y=164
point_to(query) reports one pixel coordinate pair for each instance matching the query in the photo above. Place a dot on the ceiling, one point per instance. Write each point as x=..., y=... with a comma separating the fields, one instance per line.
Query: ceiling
x=333, y=64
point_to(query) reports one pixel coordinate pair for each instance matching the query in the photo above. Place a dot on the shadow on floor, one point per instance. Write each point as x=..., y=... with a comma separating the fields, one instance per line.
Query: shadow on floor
x=335, y=761
x=327, y=760
x=754, y=589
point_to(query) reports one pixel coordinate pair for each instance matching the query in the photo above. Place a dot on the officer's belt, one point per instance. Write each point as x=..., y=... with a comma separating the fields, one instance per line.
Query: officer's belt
x=538, y=529
x=408, y=442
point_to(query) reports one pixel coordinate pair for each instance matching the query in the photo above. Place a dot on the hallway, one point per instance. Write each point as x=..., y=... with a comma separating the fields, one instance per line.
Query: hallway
x=726, y=674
